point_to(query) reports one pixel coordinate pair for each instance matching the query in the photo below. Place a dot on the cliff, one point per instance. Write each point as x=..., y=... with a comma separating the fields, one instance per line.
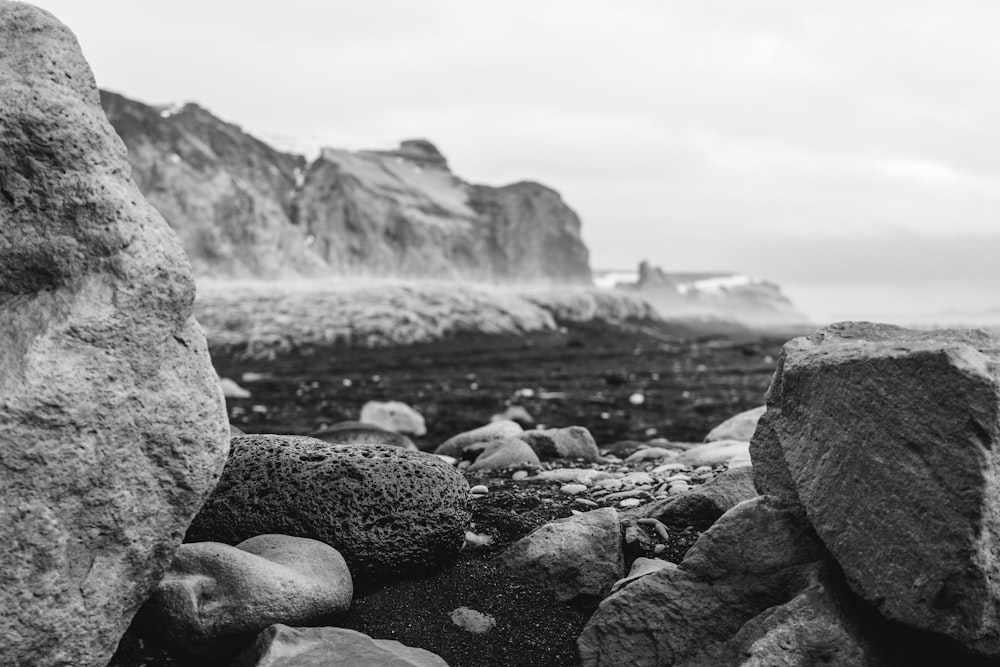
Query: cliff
x=244, y=209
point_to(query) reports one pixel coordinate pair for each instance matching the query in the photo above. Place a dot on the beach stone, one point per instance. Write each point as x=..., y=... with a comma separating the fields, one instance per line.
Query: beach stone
x=714, y=453
x=640, y=568
x=579, y=558
x=501, y=455
x=888, y=438
x=704, y=504
x=738, y=427
x=622, y=448
x=473, y=621
x=113, y=427
x=216, y=598
x=232, y=390
x=498, y=430
x=757, y=556
x=652, y=454
x=389, y=511
x=283, y=646
x=516, y=413
x=360, y=433
x=393, y=416
x=572, y=442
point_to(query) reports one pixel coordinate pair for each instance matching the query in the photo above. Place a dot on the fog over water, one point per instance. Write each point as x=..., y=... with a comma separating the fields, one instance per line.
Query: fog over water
x=846, y=151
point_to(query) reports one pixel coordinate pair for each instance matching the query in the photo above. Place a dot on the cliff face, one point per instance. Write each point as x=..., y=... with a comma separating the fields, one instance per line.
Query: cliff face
x=242, y=208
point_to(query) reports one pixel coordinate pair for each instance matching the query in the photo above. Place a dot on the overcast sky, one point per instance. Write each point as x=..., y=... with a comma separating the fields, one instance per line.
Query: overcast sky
x=848, y=150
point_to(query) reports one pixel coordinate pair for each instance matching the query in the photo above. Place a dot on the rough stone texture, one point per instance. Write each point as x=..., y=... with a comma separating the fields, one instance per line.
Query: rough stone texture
x=758, y=555
x=501, y=454
x=359, y=433
x=813, y=628
x=393, y=416
x=572, y=442
x=757, y=536
x=714, y=453
x=282, y=646
x=705, y=503
x=112, y=424
x=738, y=427
x=454, y=445
x=579, y=558
x=890, y=440
x=387, y=510
x=216, y=598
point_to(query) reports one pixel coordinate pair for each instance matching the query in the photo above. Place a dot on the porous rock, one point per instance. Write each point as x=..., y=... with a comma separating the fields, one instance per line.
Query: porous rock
x=497, y=430
x=572, y=442
x=393, y=416
x=889, y=438
x=112, y=424
x=360, y=433
x=283, y=646
x=705, y=503
x=216, y=598
x=502, y=454
x=579, y=558
x=389, y=511
x=738, y=427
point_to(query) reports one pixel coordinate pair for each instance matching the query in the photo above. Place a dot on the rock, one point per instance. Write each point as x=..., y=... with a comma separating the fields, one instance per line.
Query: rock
x=473, y=621
x=887, y=437
x=640, y=568
x=738, y=427
x=652, y=454
x=387, y=510
x=704, y=504
x=502, y=454
x=114, y=428
x=578, y=475
x=758, y=555
x=714, y=453
x=282, y=646
x=498, y=430
x=216, y=598
x=757, y=536
x=393, y=416
x=579, y=558
x=516, y=413
x=573, y=442
x=359, y=433
x=232, y=390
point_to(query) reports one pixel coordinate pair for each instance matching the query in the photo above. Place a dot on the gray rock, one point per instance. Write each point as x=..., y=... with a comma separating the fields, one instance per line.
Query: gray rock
x=714, y=453
x=738, y=427
x=579, y=558
x=359, y=433
x=887, y=437
x=502, y=454
x=389, y=511
x=282, y=646
x=112, y=424
x=393, y=416
x=705, y=503
x=572, y=442
x=455, y=445
x=216, y=598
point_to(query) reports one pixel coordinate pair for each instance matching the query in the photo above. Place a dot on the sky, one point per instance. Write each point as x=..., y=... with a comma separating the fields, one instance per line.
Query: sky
x=845, y=150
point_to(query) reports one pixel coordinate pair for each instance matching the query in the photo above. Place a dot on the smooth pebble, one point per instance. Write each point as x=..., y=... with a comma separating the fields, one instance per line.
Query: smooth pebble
x=630, y=502
x=519, y=475
x=573, y=489
x=479, y=489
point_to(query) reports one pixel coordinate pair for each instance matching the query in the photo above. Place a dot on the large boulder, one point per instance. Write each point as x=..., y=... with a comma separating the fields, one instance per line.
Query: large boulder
x=112, y=424
x=216, y=598
x=889, y=438
x=388, y=510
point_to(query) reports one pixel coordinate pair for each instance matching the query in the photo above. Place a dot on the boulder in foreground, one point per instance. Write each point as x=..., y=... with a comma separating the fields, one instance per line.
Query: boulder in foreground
x=889, y=439
x=112, y=424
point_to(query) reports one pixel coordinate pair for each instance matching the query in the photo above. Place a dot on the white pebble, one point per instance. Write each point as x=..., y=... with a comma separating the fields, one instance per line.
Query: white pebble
x=636, y=399
x=519, y=475
x=450, y=460
x=678, y=487
x=479, y=489
x=629, y=502
x=585, y=502
x=659, y=548
x=573, y=489
x=701, y=470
